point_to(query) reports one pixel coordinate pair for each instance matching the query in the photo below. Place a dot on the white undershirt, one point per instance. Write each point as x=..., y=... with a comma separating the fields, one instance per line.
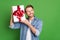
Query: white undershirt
x=28, y=36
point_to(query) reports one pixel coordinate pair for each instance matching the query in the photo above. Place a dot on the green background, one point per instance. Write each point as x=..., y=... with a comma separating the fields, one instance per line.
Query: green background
x=47, y=10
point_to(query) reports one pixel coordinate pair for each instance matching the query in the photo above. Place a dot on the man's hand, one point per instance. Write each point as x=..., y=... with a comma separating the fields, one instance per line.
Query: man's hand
x=25, y=21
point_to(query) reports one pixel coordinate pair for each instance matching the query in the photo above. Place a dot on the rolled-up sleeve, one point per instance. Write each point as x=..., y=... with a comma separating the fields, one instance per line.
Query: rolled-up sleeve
x=38, y=28
x=15, y=25
x=37, y=32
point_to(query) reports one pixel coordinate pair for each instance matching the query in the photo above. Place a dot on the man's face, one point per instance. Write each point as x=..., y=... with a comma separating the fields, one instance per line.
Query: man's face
x=30, y=11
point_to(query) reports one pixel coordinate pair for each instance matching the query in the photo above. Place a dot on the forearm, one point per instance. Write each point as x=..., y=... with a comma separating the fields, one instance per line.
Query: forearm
x=11, y=22
x=33, y=29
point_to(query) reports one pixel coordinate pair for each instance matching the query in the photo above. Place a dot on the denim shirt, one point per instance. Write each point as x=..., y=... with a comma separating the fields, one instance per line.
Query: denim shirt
x=23, y=29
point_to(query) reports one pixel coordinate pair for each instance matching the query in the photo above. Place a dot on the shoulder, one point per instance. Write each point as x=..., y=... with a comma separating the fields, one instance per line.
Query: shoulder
x=38, y=20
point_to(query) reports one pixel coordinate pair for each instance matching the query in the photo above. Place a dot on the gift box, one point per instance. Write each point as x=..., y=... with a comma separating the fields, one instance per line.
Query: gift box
x=18, y=13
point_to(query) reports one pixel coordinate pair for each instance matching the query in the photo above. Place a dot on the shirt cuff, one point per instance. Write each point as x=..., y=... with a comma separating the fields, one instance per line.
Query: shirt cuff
x=37, y=32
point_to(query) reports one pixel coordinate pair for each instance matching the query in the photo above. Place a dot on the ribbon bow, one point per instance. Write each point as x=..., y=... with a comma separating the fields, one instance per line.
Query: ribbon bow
x=19, y=13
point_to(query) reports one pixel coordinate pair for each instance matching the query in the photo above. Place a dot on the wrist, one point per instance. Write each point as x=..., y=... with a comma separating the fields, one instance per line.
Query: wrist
x=29, y=25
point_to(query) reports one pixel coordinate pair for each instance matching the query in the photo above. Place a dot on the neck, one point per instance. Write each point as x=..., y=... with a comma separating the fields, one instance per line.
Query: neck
x=31, y=18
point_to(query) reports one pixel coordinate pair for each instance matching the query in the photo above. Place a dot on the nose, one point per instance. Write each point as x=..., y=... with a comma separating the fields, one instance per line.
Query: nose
x=30, y=11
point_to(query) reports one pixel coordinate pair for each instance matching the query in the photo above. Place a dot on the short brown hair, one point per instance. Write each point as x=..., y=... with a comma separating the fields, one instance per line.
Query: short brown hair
x=29, y=6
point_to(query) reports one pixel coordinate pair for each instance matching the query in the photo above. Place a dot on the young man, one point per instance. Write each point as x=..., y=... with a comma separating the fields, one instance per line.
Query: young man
x=29, y=28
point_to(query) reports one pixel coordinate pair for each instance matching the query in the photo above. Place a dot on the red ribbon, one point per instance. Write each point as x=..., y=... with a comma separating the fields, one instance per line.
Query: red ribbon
x=19, y=13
